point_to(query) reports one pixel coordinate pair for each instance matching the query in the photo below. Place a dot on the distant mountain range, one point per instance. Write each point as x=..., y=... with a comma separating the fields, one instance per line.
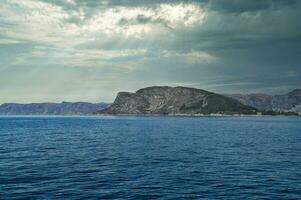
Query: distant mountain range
x=64, y=108
x=290, y=102
x=167, y=100
x=175, y=101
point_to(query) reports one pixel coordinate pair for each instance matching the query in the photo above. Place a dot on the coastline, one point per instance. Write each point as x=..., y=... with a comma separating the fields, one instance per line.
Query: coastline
x=144, y=115
x=152, y=115
x=195, y=115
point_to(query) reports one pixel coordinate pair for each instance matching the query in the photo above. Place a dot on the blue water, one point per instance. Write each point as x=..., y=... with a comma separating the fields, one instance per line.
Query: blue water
x=150, y=158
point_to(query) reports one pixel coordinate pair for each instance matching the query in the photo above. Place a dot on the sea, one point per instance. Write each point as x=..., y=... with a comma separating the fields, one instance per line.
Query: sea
x=126, y=157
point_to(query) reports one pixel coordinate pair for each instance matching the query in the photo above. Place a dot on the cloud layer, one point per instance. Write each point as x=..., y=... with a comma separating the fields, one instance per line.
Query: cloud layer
x=88, y=50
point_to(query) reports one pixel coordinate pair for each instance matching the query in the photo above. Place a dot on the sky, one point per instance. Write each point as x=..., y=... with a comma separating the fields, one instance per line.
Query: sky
x=88, y=50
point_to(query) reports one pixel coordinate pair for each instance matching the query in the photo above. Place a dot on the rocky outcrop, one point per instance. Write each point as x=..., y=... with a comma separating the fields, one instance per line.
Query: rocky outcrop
x=174, y=100
x=64, y=108
x=290, y=102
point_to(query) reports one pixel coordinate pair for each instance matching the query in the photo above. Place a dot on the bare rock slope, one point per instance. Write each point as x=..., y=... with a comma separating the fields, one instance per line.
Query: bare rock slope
x=290, y=102
x=175, y=100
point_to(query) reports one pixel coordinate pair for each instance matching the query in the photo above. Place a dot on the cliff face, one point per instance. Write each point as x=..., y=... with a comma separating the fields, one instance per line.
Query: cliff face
x=174, y=100
x=65, y=108
x=286, y=102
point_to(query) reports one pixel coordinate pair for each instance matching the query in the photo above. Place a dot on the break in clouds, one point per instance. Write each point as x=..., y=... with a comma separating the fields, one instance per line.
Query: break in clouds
x=87, y=50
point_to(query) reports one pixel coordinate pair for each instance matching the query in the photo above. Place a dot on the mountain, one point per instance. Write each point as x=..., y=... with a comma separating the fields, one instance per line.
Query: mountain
x=64, y=108
x=290, y=102
x=174, y=100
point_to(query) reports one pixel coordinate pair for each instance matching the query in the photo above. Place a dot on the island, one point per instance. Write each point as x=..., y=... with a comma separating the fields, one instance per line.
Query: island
x=165, y=100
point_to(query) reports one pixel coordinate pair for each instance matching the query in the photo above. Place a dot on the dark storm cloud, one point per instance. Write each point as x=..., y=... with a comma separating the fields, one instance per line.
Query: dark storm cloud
x=219, y=5
x=237, y=6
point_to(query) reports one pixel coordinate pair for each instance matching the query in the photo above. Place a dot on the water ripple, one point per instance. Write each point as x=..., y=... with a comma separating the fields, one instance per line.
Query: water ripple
x=150, y=158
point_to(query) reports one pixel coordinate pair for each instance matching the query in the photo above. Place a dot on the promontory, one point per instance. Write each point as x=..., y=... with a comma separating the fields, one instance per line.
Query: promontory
x=164, y=100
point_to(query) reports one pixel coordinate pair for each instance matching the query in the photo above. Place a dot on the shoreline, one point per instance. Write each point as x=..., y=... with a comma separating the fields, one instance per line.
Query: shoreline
x=146, y=115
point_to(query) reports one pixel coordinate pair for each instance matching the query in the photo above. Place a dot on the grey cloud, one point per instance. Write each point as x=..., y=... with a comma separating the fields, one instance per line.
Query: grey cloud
x=237, y=6
x=140, y=19
x=219, y=5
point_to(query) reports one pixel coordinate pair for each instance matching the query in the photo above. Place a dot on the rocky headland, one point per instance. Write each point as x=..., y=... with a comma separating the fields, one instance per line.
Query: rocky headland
x=164, y=100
